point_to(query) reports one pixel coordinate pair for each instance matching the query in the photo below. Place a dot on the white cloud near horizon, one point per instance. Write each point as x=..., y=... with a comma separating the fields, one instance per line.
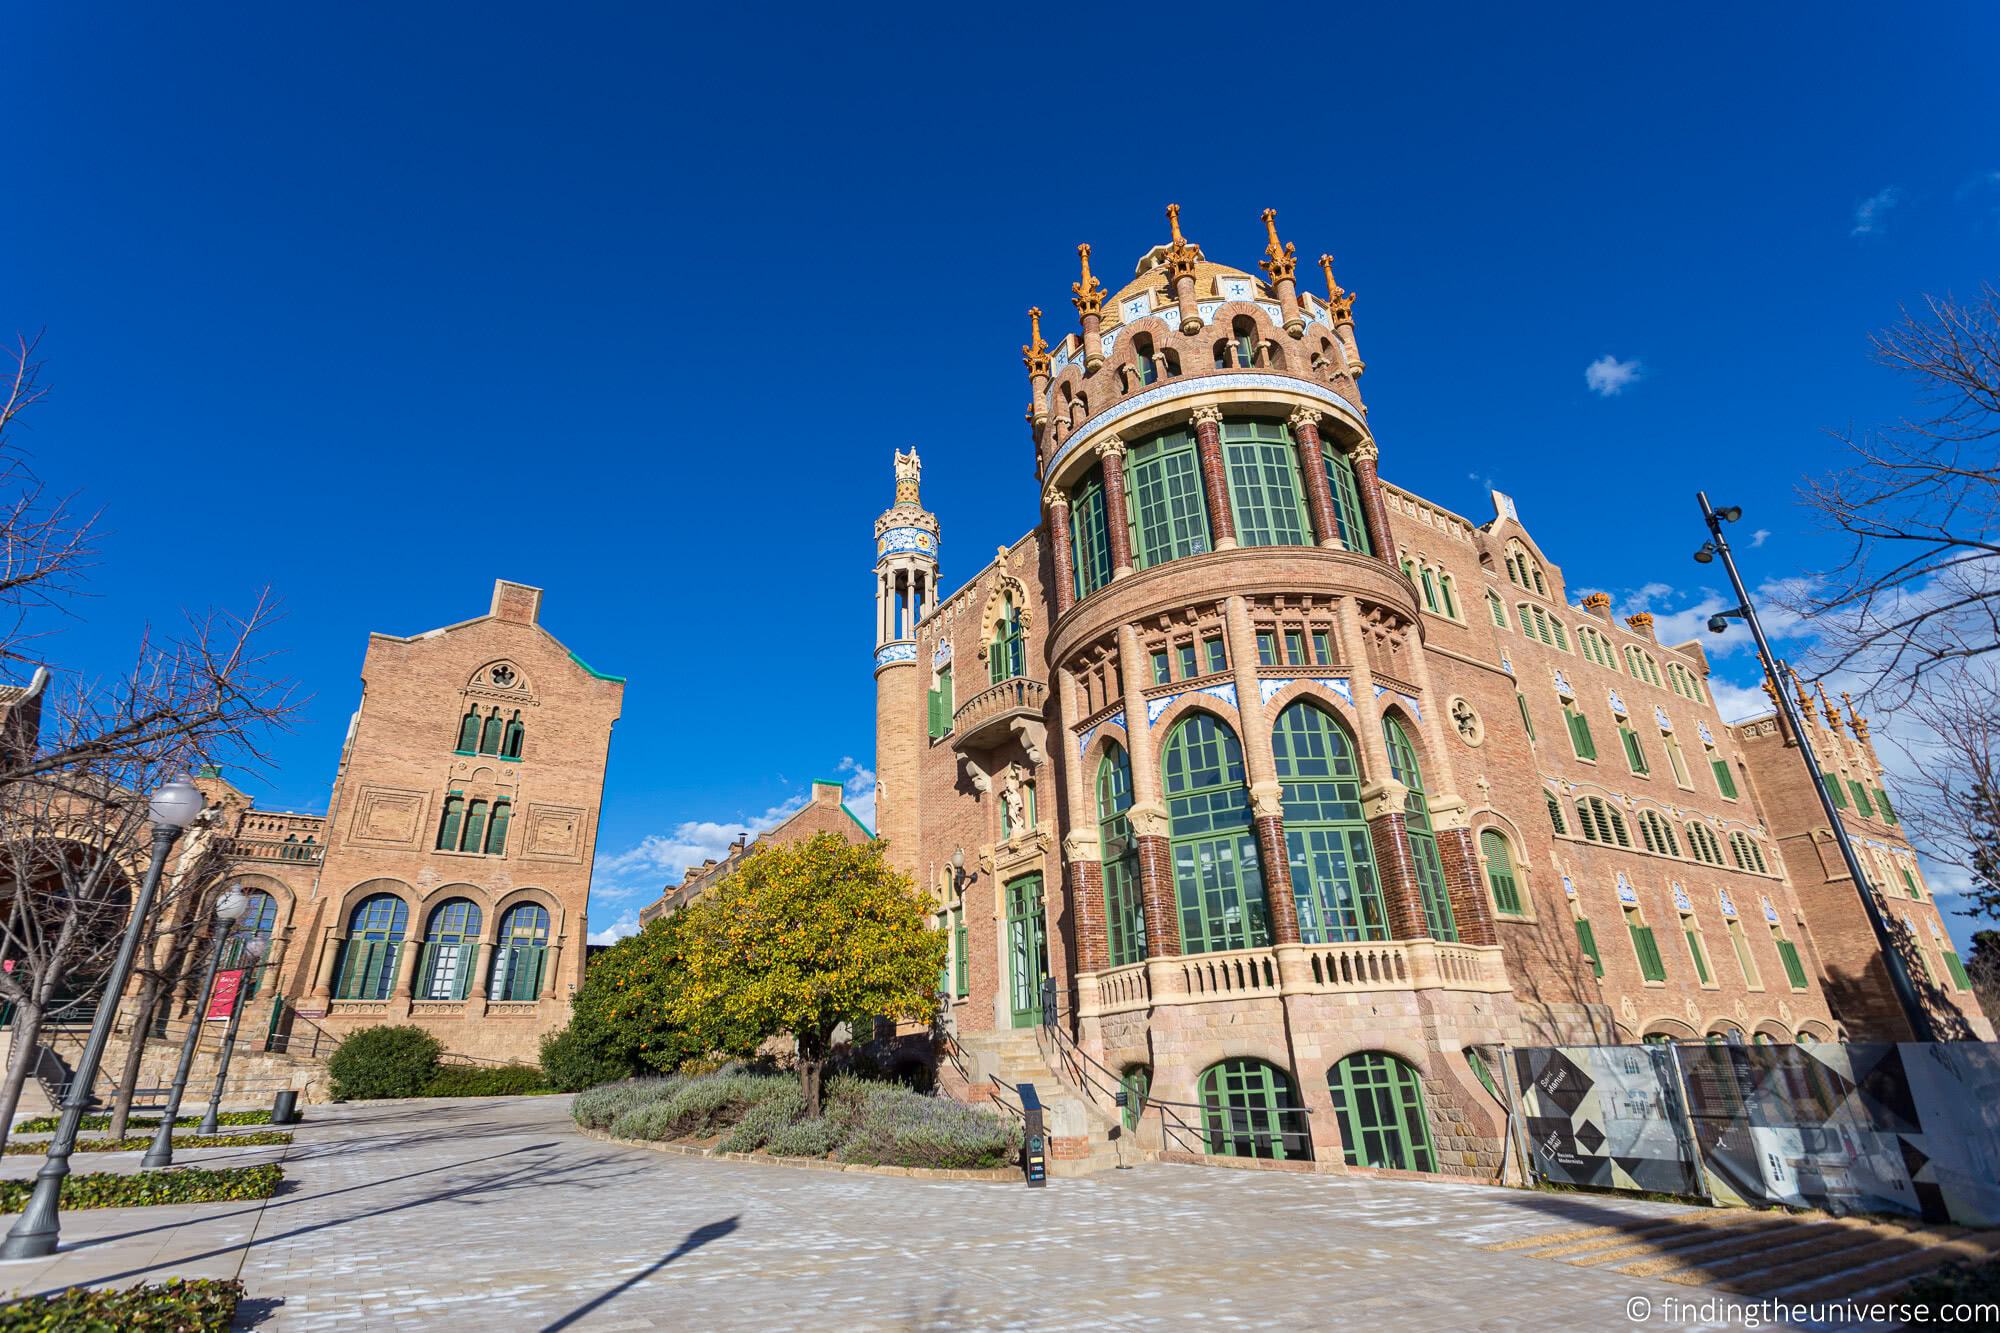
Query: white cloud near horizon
x=1872, y=213
x=1608, y=377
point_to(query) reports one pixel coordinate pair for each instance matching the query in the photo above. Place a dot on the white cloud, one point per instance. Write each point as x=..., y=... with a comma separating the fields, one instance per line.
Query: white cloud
x=1760, y=536
x=1607, y=376
x=1737, y=702
x=1871, y=213
x=858, y=788
x=628, y=924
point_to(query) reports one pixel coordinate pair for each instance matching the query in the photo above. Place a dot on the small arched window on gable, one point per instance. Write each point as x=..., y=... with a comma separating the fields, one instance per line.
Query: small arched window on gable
x=1007, y=654
x=489, y=734
x=1243, y=341
x=510, y=745
x=468, y=731
x=1149, y=365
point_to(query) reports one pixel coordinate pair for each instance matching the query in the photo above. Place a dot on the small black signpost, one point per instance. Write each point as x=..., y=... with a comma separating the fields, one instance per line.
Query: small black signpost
x=1034, y=1153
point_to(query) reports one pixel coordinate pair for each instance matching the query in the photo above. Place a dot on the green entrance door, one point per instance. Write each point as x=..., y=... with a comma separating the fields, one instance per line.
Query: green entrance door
x=1027, y=949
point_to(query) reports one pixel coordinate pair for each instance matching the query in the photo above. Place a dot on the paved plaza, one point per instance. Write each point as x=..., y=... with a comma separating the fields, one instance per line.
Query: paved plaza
x=497, y=1214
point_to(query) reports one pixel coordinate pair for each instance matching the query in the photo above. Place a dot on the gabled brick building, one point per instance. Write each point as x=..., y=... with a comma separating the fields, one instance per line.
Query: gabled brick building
x=1304, y=791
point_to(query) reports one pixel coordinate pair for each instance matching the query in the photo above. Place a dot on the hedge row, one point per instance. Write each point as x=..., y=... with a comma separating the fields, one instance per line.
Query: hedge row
x=116, y=1189
x=405, y=1061
x=198, y=1305
x=46, y=1123
x=486, y=1081
x=262, y=1138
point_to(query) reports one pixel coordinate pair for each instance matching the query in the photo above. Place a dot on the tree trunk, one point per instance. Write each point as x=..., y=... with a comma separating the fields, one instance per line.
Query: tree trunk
x=812, y=1070
x=135, y=1051
x=27, y=1036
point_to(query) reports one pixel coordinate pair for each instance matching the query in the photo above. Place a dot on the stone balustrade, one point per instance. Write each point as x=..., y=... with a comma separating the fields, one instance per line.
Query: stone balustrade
x=988, y=717
x=1293, y=969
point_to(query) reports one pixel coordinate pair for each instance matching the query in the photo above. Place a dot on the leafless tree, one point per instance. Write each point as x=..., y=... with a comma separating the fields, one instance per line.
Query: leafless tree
x=78, y=754
x=1949, y=733
x=1918, y=594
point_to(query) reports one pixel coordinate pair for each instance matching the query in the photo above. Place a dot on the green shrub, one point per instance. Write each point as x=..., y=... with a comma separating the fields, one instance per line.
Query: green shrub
x=898, y=1127
x=600, y=1108
x=785, y=1107
x=701, y=1106
x=384, y=1062
x=581, y=1056
x=134, y=1143
x=197, y=1305
x=804, y=1138
x=486, y=1081
x=44, y=1124
x=190, y=1184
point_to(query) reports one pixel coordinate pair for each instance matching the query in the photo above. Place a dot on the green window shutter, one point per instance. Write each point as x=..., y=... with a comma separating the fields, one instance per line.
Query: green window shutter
x=1500, y=873
x=1579, y=734
x=1700, y=959
x=1725, y=781
x=1497, y=609
x=1860, y=797
x=1910, y=882
x=1526, y=722
x=1833, y=789
x=1795, y=971
x=1634, y=756
x=1959, y=976
x=1882, y=803
x=961, y=965
x=1587, y=939
x=933, y=714
x=496, y=832
x=1651, y=966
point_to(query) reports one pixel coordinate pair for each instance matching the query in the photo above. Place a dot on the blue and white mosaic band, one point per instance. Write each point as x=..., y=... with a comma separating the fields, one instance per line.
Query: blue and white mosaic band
x=895, y=652
x=896, y=540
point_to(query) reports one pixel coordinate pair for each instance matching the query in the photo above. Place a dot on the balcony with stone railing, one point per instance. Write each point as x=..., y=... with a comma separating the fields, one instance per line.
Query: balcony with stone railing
x=1014, y=707
x=1293, y=969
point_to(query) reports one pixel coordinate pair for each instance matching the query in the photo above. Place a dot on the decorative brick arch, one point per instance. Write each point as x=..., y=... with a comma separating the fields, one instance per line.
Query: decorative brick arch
x=1373, y=763
x=368, y=888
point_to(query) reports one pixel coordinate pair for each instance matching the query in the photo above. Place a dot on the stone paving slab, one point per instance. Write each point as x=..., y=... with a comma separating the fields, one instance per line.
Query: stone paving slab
x=496, y=1214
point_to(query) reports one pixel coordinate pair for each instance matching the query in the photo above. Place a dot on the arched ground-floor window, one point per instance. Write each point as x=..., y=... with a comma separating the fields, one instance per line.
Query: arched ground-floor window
x=451, y=942
x=259, y=919
x=1380, y=1103
x=374, y=944
x=521, y=954
x=1251, y=1109
x=1136, y=1083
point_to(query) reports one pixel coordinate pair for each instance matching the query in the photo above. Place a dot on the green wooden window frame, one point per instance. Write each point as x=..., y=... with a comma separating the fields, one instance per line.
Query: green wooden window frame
x=1027, y=948
x=1336, y=892
x=1910, y=883
x=1695, y=951
x=521, y=955
x=1635, y=756
x=1163, y=667
x=496, y=830
x=475, y=826
x=1833, y=789
x=1218, y=881
x=1379, y=1101
x=374, y=944
x=1651, y=966
x=1007, y=655
x=1498, y=610
x=1347, y=516
x=450, y=952
x=942, y=704
x=490, y=733
x=1882, y=803
x=1500, y=873
x=1417, y=832
x=1265, y=497
x=1725, y=781
x=1137, y=1085
x=1580, y=739
x=1090, y=535
x=1788, y=954
x=452, y=821
x=1586, y=939
x=961, y=959
x=1165, y=506
x=259, y=921
x=1956, y=966
x=1267, y=648
x=1218, y=655
x=1251, y=1109
x=1322, y=648
x=1861, y=802
x=1295, y=648
x=468, y=731
x=1124, y=905
x=513, y=739
x=1190, y=664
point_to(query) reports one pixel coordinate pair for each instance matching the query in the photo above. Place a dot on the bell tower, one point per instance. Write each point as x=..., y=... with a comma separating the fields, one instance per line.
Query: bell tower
x=906, y=550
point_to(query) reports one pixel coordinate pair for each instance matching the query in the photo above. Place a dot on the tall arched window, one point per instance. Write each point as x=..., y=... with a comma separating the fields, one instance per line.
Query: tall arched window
x=1006, y=656
x=1149, y=367
x=1326, y=838
x=1090, y=535
x=259, y=921
x=450, y=824
x=496, y=832
x=1346, y=498
x=510, y=746
x=1217, y=880
x=1164, y=501
x=368, y=959
x=1124, y=908
x=1500, y=873
x=1264, y=492
x=1251, y=1109
x=1380, y=1103
x=521, y=954
x=1417, y=831
x=468, y=731
x=489, y=735
x=475, y=827
x=451, y=945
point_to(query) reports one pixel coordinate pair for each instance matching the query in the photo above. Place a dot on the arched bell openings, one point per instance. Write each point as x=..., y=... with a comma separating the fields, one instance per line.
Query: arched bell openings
x=1218, y=882
x=1334, y=887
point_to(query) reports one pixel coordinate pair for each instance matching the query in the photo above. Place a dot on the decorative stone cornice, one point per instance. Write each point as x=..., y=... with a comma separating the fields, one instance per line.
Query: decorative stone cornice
x=1449, y=812
x=1082, y=847
x=1207, y=414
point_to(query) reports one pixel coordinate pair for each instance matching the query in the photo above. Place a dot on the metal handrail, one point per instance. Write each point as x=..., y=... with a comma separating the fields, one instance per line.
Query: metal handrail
x=287, y=1017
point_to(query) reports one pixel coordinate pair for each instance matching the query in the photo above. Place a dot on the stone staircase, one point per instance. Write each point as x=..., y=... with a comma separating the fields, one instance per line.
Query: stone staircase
x=1083, y=1138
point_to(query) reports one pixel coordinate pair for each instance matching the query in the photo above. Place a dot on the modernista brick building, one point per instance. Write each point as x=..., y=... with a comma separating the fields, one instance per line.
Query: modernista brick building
x=1306, y=792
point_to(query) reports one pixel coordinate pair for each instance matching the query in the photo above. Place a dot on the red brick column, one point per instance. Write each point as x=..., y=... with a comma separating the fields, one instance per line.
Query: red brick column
x=1086, y=905
x=1057, y=502
x=1111, y=452
x=1470, y=906
x=1156, y=886
x=1278, y=879
x=1372, y=503
x=1397, y=874
x=1214, y=478
x=1319, y=494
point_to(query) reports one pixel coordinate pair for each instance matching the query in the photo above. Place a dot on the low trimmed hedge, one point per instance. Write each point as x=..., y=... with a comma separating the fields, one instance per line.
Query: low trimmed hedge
x=261, y=1139
x=184, y=1305
x=486, y=1081
x=398, y=1061
x=188, y=1184
x=881, y=1124
x=46, y=1124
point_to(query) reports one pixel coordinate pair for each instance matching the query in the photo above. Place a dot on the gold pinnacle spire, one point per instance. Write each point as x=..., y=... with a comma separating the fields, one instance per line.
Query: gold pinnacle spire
x=1089, y=298
x=1826, y=706
x=1174, y=221
x=1332, y=287
x=1035, y=353
x=1281, y=258
x=1805, y=695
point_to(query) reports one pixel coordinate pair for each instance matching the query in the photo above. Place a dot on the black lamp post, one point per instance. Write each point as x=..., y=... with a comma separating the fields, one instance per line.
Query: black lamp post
x=229, y=909
x=253, y=954
x=35, y=1233
x=1892, y=957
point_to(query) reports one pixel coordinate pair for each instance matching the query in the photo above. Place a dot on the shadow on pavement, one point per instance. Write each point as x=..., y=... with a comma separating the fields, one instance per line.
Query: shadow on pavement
x=694, y=1240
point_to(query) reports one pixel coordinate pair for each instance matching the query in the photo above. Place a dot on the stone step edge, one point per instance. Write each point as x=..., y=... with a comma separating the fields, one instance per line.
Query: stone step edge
x=995, y=1173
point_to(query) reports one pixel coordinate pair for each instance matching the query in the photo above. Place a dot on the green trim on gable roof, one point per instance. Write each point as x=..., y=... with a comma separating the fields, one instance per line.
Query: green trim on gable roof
x=593, y=670
x=857, y=821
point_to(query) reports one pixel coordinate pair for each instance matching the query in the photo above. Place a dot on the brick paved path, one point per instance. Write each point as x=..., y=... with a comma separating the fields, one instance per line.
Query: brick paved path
x=495, y=1214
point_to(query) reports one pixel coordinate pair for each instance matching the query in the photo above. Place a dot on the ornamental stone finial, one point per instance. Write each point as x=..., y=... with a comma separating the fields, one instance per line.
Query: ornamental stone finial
x=1055, y=497
x=1306, y=416
x=1366, y=451
x=1281, y=259
x=1035, y=352
x=1206, y=415
x=908, y=473
x=1111, y=446
x=1089, y=298
x=1174, y=221
x=1340, y=303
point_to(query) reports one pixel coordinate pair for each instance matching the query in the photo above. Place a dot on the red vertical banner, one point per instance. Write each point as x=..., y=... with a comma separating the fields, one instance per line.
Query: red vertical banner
x=222, y=1000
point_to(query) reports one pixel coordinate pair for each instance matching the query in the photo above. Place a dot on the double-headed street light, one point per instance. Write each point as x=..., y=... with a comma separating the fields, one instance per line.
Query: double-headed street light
x=173, y=808
x=229, y=909
x=253, y=955
x=1892, y=957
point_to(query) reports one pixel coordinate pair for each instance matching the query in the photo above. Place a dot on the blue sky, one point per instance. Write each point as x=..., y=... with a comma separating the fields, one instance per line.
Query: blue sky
x=376, y=303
